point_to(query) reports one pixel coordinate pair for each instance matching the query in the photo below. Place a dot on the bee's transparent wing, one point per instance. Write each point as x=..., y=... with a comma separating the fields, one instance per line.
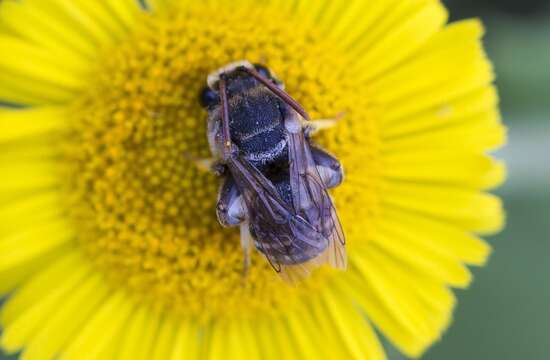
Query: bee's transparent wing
x=281, y=235
x=312, y=201
x=334, y=255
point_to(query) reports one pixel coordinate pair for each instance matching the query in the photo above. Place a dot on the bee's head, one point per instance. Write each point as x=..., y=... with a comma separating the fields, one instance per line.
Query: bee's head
x=237, y=80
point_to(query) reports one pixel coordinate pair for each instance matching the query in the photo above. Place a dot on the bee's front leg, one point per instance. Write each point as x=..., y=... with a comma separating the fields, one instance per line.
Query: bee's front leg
x=311, y=127
x=211, y=165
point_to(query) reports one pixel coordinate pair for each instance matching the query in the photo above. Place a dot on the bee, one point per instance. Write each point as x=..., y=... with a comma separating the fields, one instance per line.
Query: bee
x=275, y=180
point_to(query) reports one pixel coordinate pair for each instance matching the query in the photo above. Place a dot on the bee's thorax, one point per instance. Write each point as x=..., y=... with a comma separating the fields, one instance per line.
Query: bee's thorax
x=257, y=126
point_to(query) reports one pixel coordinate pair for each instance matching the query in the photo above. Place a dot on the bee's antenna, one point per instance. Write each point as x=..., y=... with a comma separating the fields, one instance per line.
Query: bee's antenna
x=225, y=115
x=279, y=92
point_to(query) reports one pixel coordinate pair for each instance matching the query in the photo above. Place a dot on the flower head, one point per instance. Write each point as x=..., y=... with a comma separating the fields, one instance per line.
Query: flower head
x=110, y=246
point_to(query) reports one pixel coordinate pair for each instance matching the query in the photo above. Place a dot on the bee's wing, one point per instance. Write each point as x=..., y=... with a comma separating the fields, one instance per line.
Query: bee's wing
x=281, y=235
x=312, y=201
x=334, y=255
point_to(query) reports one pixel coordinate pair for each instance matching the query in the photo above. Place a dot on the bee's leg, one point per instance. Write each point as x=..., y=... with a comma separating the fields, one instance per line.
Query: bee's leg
x=330, y=169
x=231, y=209
x=246, y=244
x=211, y=165
x=312, y=127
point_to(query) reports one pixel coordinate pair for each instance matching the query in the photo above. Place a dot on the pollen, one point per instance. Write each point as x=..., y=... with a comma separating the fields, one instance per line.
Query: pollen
x=146, y=213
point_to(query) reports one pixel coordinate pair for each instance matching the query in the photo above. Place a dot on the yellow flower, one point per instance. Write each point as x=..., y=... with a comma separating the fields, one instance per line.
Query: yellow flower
x=109, y=244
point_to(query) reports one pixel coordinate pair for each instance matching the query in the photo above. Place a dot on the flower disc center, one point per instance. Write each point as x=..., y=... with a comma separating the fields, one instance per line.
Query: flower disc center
x=146, y=214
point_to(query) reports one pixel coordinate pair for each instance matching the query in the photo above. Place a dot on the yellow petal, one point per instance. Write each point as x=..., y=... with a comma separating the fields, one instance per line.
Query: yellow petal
x=383, y=17
x=131, y=345
x=441, y=61
x=422, y=305
x=479, y=132
x=455, y=33
x=101, y=330
x=100, y=13
x=352, y=328
x=308, y=10
x=24, y=89
x=382, y=310
x=34, y=241
x=141, y=334
x=39, y=286
x=21, y=59
x=439, y=236
x=397, y=122
x=23, y=329
x=23, y=123
x=65, y=38
x=18, y=275
x=28, y=176
x=216, y=344
x=266, y=340
x=412, y=31
x=127, y=12
x=164, y=343
x=285, y=343
x=185, y=343
x=334, y=14
x=284, y=5
x=235, y=348
x=315, y=313
x=249, y=335
x=399, y=315
x=475, y=171
x=19, y=213
x=304, y=336
x=158, y=5
x=443, y=84
x=70, y=14
x=351, y=21
x=50, y=26
x=446, y=269
x=16, y=17
x=474, y=211
x=430, y=300
x=67, y=320
x=30, y=150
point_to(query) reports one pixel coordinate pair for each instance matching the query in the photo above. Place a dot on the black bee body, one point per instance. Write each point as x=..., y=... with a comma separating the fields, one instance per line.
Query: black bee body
x=275, y=180
x=256, y=123
x=260, y=135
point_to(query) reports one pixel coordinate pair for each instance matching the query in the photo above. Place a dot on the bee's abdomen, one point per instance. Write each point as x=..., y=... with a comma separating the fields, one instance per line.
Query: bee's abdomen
x=286, y=250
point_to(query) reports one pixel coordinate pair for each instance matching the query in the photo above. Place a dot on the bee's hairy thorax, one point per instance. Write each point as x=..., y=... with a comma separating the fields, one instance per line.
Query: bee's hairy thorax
x=257, y=127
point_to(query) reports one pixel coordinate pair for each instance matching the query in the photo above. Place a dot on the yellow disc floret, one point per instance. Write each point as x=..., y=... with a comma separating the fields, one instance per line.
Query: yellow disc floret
x=146, y=214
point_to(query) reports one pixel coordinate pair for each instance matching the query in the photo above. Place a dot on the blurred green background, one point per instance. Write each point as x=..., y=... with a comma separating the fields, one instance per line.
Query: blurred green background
x=506, y=313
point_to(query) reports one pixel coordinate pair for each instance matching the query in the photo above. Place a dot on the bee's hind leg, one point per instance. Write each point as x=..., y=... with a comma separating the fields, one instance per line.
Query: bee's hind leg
x=230, y=209
x=329, y=168
x=246, y=244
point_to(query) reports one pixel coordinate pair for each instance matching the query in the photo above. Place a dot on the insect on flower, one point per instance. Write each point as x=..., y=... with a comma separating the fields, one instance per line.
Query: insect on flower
x=275, y=180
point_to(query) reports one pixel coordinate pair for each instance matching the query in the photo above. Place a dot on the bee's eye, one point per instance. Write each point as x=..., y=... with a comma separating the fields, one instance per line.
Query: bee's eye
x=262, y=70
x=208, y=97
